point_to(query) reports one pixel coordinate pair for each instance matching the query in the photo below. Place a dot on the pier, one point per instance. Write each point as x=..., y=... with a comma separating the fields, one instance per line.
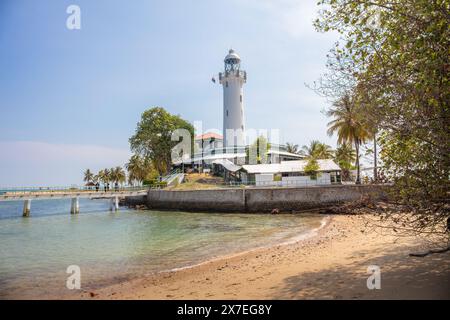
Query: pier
x=73, y=195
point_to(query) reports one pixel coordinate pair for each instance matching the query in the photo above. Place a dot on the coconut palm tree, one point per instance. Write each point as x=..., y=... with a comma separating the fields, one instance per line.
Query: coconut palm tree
x=317, y=150
x=349, y=126
x=292, y=148
x=106, y=175
x=118, y=175
x=138, y=169
x=88, y=176
x=345, y=156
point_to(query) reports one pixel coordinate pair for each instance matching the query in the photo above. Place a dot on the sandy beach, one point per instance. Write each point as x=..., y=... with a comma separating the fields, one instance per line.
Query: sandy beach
x=331, y=264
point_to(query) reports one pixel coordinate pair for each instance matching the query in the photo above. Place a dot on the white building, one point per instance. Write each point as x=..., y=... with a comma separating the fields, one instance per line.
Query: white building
x=290, y=173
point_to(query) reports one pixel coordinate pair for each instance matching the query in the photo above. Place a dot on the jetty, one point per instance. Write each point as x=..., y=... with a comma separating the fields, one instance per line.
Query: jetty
x=114, y=196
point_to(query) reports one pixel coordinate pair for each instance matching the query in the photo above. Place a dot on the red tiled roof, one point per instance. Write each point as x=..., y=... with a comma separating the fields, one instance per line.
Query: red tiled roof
x=208, y=135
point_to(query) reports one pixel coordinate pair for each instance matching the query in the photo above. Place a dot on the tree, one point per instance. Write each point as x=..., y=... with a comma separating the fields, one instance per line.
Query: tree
x=317, y=150
x=257, y=151
x=348, y=125
x=311, y=168
x=104, y=176
x=395, y=55
x=118, y=175
x=88, y=176
x=152, y=139
x=139, y=168
x=345, y=157
x=292, y=148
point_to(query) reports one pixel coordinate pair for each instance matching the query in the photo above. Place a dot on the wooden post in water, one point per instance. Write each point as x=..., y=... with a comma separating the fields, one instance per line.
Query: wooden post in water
x=114, y=205
x=27, y=208
x=75, y=206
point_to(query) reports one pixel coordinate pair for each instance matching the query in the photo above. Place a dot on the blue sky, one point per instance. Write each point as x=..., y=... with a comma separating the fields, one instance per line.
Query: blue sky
x=70, y=99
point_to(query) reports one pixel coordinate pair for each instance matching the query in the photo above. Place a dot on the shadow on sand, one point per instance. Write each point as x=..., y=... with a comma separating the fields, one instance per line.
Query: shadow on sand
x=402, y=277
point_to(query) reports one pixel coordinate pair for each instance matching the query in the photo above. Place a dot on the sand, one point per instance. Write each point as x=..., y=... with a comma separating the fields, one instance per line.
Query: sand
x=329, y=265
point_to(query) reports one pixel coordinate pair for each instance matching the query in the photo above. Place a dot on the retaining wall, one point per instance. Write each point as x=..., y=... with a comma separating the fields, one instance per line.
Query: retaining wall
x=260, y=199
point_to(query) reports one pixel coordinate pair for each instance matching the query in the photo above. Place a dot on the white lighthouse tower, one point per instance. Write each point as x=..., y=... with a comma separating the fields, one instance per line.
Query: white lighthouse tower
x=232, y=80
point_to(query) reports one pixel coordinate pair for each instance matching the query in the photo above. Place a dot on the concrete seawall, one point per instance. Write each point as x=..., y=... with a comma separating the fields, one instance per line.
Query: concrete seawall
x=258, y=199
x=220, y=200
x=135, y=200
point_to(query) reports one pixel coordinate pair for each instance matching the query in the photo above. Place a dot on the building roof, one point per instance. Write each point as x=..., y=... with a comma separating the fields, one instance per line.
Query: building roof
x=209, y=135
x=262, y=168
x=232, y=55
x=290, y=166
x=285, y=153
x=230, y=166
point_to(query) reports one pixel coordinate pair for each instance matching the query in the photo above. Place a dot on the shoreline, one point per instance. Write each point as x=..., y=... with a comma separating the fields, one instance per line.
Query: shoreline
x=301, y=237
x=332, y=264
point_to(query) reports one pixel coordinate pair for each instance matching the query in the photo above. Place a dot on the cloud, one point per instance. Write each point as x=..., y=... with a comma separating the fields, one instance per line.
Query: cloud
x=33, y=163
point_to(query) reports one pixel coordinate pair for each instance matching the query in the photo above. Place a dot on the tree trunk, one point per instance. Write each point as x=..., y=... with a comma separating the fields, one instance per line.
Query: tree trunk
x=375, y=168
x=358, y=178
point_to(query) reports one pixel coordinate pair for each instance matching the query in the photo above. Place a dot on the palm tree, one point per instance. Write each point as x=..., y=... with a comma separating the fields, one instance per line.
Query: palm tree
x=292, y=148
x=118, y=175
x=88, y=176
x=317, y=150
x=345, y=156
x=100, y=176
x=106, y=175
x=138, y=168
x=348, y=125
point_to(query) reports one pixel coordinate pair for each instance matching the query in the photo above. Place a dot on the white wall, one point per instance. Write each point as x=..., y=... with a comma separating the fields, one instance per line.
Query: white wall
x=267, y=180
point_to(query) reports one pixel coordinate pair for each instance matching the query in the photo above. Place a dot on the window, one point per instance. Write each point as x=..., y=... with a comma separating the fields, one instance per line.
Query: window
x=226, y=84
x=240, y=97
x=335, y=177
x=227, y=113
x=293, y=174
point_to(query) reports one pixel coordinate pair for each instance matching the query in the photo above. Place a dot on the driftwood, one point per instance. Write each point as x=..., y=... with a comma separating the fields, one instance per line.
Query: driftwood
x=424, y=254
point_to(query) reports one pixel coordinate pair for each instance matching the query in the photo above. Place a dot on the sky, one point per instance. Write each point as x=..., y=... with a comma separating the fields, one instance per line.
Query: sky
x=71, y=99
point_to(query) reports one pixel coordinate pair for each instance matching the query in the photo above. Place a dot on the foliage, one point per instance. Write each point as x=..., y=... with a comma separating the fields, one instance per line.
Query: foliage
x=349, y=124
x=88, y=176
x=317, y=150
x=152, y=139
x=345, y=157
x=117, y=175
x=257, y=151
x=394, y=66
x=139, y=169
x=292, y=148
x=311, y=168
x=277, y=177
x=155, y=183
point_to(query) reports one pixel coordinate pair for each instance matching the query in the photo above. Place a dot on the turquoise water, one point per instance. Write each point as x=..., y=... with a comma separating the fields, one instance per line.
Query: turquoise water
x=110, y=247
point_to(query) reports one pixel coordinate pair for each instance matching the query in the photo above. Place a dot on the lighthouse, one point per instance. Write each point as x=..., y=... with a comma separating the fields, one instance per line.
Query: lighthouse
x=232, y=80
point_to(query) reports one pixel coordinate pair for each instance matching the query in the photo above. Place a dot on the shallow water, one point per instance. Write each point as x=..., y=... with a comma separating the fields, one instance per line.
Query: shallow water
x=110, y=247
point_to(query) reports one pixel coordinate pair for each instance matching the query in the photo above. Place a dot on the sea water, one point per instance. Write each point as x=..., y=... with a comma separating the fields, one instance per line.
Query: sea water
x=110, y=247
